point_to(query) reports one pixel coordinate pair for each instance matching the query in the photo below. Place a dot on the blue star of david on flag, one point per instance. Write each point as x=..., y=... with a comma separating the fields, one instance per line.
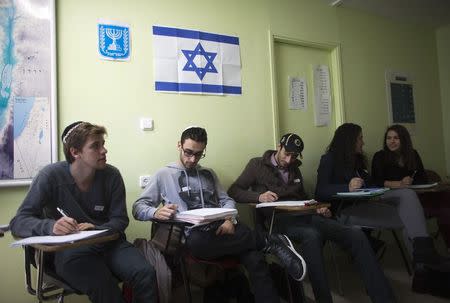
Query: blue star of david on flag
x=191, y=66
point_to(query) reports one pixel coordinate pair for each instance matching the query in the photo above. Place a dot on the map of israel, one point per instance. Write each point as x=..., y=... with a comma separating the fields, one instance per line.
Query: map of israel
x=25, y=88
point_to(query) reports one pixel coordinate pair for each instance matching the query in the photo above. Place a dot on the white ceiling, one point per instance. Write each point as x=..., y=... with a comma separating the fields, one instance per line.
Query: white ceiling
x=434, y=13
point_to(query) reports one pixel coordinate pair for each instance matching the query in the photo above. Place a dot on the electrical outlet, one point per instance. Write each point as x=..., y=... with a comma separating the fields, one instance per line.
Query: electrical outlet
x=144, y=180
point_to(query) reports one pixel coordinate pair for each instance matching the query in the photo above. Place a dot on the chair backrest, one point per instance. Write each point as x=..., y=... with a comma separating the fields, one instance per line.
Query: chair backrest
x=167, y=237
x=432, y=176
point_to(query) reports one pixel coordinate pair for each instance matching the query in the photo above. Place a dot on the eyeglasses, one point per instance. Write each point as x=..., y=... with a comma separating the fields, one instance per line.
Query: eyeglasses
x=189, y=153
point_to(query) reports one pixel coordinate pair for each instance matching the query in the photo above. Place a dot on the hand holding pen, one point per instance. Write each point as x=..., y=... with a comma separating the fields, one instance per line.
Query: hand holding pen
x=166, y=212
x=407, y=181
x=356, y=182
x=65, y=225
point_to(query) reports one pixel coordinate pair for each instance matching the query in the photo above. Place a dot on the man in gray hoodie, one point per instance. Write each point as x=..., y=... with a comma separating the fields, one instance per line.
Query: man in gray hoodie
x=186, y=185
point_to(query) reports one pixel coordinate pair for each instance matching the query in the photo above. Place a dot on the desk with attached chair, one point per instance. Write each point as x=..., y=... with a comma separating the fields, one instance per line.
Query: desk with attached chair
x=49, y=286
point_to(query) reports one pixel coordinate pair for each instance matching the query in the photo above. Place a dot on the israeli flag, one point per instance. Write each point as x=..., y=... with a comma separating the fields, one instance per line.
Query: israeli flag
x=188, y=61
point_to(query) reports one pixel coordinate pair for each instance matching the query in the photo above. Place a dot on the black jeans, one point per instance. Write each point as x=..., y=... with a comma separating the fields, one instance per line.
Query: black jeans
x=312, y=232
x=244, y=244
x=92, y=270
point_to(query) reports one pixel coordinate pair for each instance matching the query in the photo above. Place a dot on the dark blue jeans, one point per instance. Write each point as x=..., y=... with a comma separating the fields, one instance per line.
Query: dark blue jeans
x=94, y=270
x=312, y=231
x=244, y=244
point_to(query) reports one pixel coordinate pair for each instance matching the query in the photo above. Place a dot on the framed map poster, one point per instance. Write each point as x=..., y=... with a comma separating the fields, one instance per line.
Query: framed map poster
x=27, y=89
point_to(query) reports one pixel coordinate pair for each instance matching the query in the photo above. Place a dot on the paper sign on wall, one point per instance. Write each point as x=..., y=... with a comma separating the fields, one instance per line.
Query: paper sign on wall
x=322, y=95
x=298, y=93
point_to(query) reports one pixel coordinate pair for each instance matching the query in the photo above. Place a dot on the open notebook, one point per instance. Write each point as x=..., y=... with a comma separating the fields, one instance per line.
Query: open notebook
x=205, y=215
x=423, y=186
x=363, y=192
x=58, y=239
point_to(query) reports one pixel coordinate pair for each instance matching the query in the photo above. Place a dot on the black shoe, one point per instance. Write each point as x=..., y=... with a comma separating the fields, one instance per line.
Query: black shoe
x=426, y=256
x=282, y=248
x=435, y=283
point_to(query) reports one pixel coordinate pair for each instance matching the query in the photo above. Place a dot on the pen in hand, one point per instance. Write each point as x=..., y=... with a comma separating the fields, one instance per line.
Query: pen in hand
x=414, y=173
x=167, y=202
x=65, y=225
x=61, y=212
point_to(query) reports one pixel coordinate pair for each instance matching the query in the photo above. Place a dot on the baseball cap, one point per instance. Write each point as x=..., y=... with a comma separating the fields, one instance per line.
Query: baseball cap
x=292, y=143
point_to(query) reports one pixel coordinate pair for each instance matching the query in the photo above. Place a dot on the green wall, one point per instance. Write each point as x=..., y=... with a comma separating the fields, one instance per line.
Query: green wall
x=118, y=94
x=443, y=48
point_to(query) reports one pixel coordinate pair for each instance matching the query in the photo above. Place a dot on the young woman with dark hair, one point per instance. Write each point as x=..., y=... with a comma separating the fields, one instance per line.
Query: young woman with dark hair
x=343, y=169
x=399, y=165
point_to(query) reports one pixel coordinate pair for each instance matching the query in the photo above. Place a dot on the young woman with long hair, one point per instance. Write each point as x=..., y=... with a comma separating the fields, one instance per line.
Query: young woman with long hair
x=343, y=169
x=399, y=165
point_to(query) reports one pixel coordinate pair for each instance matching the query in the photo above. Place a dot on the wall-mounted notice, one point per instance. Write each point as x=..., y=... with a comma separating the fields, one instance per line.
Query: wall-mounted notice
x=322, y=95
x=400, y=98
x=298, y=93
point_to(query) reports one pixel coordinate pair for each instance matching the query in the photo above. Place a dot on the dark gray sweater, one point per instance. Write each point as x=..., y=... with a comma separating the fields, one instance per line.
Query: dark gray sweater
x=104, y=205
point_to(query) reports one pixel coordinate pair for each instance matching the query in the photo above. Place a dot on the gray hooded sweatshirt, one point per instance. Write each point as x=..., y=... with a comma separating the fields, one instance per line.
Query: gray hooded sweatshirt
x=188, y=188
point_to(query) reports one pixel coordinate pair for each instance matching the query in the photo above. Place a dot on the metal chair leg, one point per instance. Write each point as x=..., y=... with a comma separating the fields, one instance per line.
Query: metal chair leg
x=184, y=274
x=336, y=269
x=404, y=257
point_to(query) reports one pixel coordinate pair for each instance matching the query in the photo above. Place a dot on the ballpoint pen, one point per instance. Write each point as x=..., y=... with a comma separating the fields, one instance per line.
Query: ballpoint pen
x=414, y=173
x=61, y=212
x=167, y=201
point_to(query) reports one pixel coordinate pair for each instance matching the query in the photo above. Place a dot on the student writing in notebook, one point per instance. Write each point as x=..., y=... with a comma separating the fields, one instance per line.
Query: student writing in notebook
x=188, y=185
x=276, y=176
x=91, y=194
x=337, y=172
x=399, y=165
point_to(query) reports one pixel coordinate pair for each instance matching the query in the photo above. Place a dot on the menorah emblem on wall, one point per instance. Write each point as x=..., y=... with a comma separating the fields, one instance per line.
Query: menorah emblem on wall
x=114, y=34
x=113, y=41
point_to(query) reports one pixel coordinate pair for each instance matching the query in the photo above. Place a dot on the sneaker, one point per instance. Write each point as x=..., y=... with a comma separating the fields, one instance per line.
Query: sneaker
x=282, y=248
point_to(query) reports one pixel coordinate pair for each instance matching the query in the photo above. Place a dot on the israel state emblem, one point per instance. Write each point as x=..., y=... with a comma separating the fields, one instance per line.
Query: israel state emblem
x=114, y=41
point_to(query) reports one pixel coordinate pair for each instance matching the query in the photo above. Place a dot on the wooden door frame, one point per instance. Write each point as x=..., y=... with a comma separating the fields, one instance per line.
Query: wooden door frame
x=336, y=77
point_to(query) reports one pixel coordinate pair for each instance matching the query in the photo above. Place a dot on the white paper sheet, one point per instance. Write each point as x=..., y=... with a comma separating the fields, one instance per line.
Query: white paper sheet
x=58, y=239
x=298, y=93
x=423, y=186
x=201, y=215
x=322, y=110
x=287, y=203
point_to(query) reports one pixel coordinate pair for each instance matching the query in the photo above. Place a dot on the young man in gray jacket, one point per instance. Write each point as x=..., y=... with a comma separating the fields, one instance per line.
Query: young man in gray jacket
x=91, y=195
x=276, y=176
x=186, y=185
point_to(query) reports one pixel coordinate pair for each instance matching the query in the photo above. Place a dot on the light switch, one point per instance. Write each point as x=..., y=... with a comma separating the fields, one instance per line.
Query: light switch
x=146, y=123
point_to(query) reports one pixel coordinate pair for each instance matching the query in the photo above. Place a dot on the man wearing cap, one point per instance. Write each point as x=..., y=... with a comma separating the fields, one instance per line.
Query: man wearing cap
x=86, y=193
x=276, y=177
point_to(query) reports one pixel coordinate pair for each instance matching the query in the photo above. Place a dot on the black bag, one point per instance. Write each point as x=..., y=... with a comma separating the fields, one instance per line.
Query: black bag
x=433, y=282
